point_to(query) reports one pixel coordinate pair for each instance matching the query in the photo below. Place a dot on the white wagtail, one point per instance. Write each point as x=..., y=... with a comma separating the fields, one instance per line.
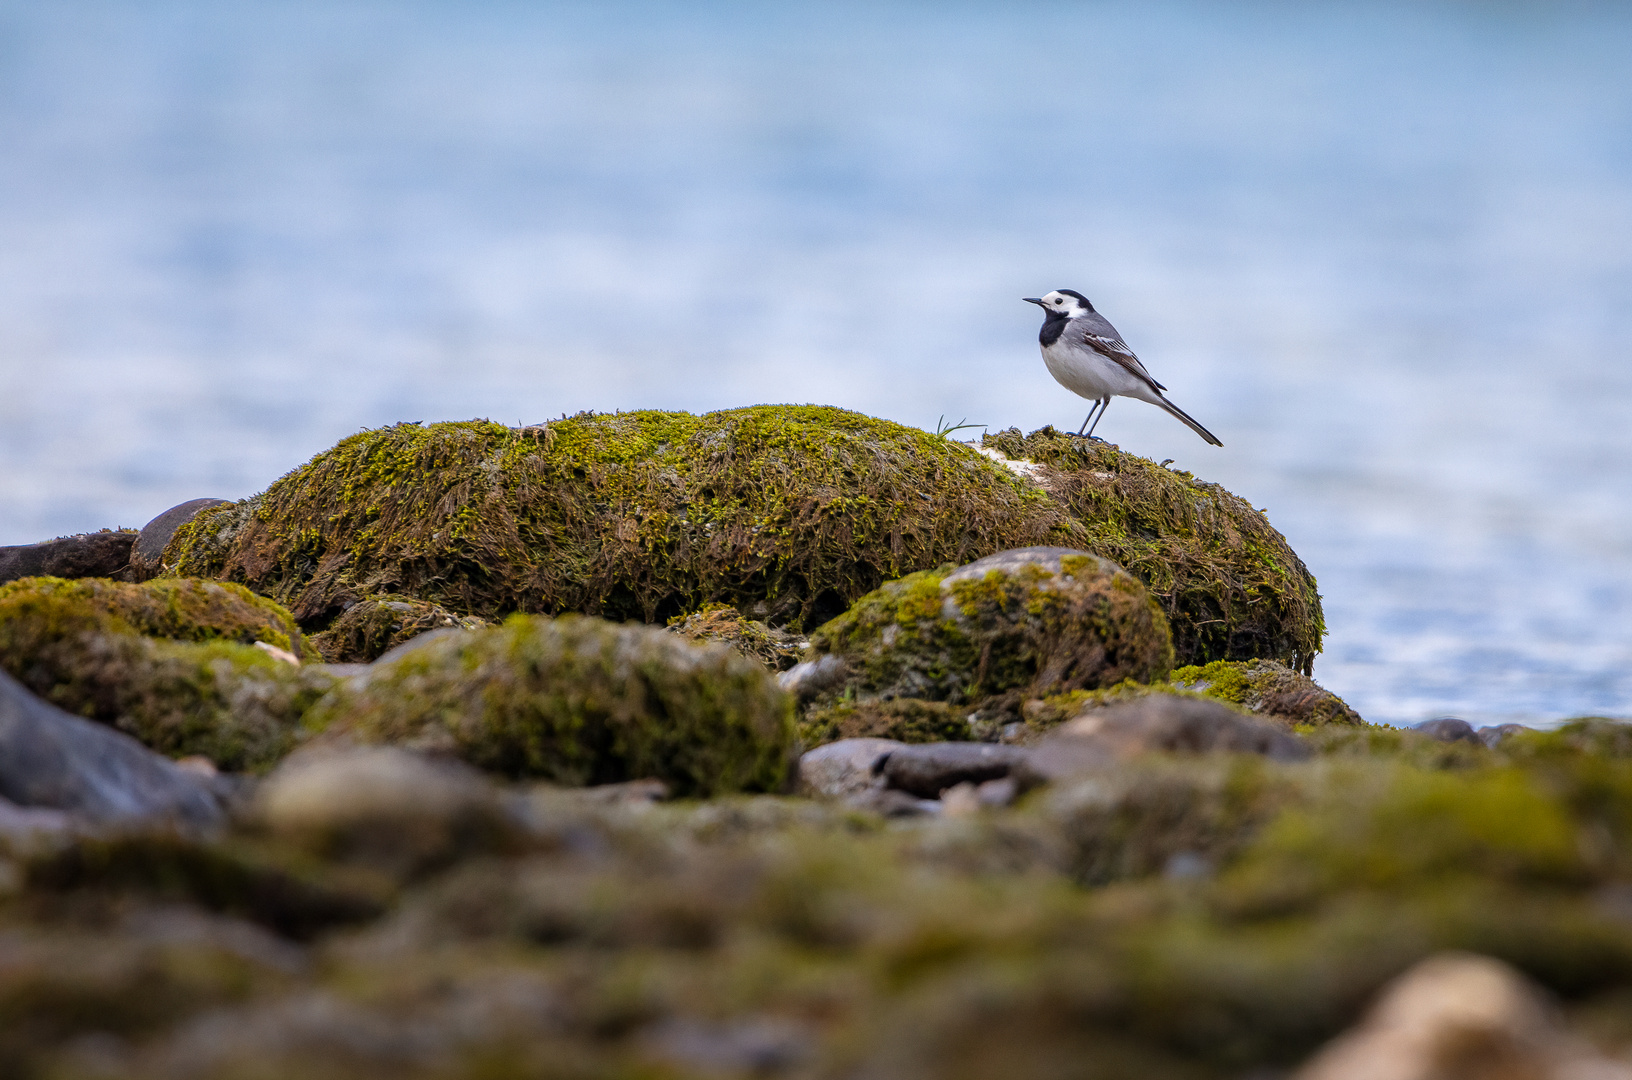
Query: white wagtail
x=1088, y=357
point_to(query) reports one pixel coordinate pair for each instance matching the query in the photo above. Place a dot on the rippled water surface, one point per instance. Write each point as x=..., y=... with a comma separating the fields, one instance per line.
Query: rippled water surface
x=1385, y=252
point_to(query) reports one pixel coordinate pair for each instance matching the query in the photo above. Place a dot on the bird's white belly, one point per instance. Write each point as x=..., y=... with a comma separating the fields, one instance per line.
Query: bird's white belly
x=1091, y=375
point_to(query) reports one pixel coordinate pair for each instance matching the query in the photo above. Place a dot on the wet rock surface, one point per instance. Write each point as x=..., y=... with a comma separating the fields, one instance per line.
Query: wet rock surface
x=99, y=554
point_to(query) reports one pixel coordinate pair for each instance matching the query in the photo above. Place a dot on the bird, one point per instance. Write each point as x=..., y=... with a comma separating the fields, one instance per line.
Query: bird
x=1088, y=357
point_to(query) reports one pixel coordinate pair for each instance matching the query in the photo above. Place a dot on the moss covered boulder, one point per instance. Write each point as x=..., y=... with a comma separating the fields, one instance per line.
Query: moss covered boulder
x=788, y=513
x=183, y=665
x=369, y=628
x=1230, y=585
x=576, y=701
x=1001, y=630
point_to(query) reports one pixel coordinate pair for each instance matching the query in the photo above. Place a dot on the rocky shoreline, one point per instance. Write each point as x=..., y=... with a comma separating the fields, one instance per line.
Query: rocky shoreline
x=778, y=741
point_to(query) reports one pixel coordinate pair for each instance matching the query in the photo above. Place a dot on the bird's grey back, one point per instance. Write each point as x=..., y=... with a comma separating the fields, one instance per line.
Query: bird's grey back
x=1092, y=324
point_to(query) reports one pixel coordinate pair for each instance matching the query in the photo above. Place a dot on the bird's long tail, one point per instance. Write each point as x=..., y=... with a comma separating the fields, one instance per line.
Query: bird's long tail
x=1188, y=419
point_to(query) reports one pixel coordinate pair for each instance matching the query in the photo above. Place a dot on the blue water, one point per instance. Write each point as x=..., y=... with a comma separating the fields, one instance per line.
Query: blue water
x=1384, y=251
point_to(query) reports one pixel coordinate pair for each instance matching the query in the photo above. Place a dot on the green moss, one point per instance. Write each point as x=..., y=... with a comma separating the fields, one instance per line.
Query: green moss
x=991, y=641
x=778, y=650
x=786, y=512
x=579, y=701
x=369, y=628
x=1205, y=917
x=1270, y=689
x=1231, y=587
x=167, y=661
x=43, y=609
x=905, y=720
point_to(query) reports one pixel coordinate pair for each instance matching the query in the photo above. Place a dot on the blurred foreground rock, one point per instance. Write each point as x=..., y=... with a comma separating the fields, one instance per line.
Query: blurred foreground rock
x=1155, y=723
x=384, y=807
x=575, y=701
x=1458, y=1016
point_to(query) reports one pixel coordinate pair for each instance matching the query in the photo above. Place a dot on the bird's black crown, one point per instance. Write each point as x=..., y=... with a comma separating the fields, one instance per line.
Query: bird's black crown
x=1078, y=295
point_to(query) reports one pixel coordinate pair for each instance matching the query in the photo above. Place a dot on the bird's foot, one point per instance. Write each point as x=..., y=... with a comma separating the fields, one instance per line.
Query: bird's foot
x=1085, y=438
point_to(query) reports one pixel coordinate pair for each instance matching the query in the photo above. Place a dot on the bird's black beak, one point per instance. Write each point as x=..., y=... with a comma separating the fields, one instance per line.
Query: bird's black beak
x=1034, y=300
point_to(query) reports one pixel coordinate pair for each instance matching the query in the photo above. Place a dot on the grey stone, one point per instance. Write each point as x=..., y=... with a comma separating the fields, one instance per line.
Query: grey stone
x=98, y=554
x=1450, y=729
x=51, y=758
x=147, y=556
x=927, y=769
x=1167, y=723
x=841, y=769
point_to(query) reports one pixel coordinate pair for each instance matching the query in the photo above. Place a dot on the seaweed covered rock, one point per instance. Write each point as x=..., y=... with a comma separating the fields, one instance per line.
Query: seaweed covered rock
x=370, y=628
x=787, y=512
x=1270, y=689
x=577, y=701
x=1012, y=626
x=778, y=650
x=1230, y=585
x=185, y=666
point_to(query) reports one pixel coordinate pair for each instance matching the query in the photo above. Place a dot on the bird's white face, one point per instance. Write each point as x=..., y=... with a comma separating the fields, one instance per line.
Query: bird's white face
x=1068, y=306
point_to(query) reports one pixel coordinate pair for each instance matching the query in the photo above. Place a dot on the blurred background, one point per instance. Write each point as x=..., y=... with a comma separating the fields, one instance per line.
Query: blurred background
x=1383, y=250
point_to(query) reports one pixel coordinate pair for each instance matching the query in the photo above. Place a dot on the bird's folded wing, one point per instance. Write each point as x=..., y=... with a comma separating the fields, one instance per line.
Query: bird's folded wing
x=1114, y=348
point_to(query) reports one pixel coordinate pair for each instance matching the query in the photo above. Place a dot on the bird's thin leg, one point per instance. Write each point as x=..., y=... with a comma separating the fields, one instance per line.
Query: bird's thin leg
x=1104, y=403
x=1097, y=405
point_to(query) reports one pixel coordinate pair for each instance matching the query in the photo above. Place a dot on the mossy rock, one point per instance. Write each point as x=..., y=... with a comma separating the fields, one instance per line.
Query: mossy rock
x=789, y=513
x=1270, y=689
x=370, y=628
x=907, y=720
x=777, y=649
x=172, y=662
x=1230, y=585
x=577, y=701
x=1002, y=630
